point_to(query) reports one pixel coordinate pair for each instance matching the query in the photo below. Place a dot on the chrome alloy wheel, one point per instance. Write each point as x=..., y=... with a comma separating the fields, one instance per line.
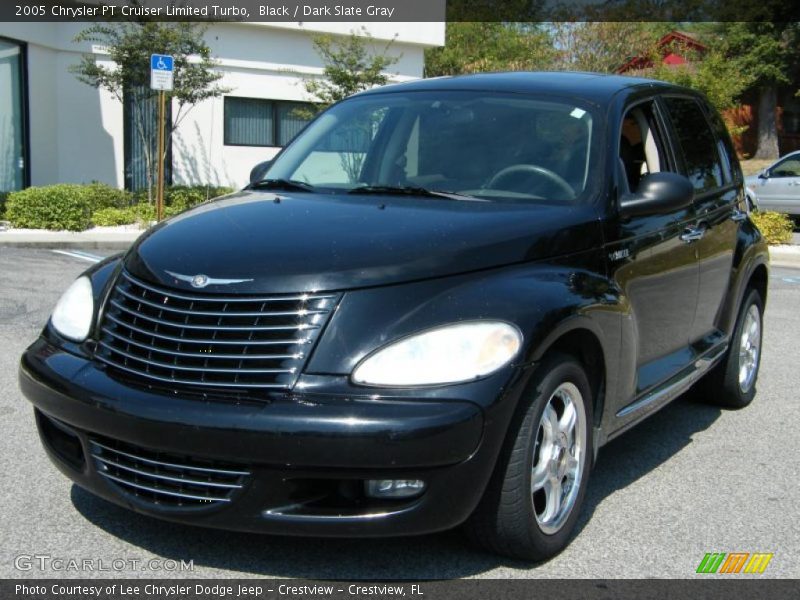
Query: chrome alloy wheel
x=558, y=458
x=749, y=348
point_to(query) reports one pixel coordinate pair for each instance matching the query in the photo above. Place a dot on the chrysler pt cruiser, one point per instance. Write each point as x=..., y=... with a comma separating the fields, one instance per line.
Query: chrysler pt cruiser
x=432, y=308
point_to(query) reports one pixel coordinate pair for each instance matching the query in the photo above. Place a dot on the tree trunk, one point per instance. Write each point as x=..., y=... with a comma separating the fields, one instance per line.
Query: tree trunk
x=767, y=123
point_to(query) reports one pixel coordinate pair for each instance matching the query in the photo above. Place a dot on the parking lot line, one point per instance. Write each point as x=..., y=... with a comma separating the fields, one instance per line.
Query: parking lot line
x=92, y=258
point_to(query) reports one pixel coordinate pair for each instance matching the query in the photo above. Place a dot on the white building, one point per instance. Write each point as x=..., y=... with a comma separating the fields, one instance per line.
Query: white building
x=55, y=129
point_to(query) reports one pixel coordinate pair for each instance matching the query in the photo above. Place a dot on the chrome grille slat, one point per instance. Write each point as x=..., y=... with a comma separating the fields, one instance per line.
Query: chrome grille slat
x=191, y=382
x=168, y=464
x=211, y=313
x=230, y=486
x=198, y=369
x=207, y=354
x=166, y=492
x=178, y=325
x=205, y=340
x=157, y=335
x=163, y=479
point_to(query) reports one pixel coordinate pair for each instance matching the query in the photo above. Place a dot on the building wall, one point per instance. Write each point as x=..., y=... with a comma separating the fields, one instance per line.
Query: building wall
x=257, y=62
x=76, y=131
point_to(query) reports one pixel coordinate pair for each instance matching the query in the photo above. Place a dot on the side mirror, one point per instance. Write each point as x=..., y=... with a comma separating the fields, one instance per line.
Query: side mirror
x=763, y=174
x=658, y=193
x=258, y=172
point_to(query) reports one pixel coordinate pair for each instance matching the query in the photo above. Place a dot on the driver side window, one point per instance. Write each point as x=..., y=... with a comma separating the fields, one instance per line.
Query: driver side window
x=790, y=167
x=641, y=150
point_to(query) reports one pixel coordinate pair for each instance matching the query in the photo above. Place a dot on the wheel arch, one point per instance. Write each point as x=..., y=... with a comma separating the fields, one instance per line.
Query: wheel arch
x=759, y=281
x=581, y=339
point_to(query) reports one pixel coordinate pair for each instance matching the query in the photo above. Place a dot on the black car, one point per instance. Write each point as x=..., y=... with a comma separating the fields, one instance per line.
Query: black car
x=432, y=308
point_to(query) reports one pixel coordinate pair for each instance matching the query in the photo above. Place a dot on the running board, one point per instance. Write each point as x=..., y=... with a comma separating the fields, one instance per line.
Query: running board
x=675, y=386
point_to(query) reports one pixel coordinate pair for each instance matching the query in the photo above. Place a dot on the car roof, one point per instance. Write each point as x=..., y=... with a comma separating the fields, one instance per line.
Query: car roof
x=598, y=88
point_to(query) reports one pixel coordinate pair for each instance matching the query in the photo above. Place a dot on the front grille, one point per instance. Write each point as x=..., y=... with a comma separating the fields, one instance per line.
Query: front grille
x=199, y=341
x=164, y=479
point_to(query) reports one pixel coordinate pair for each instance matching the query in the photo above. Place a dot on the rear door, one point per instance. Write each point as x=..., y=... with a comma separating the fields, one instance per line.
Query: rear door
x=705, y=150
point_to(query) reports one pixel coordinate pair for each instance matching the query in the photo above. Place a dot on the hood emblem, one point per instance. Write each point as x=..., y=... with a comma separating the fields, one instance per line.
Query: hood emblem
x=201, y=281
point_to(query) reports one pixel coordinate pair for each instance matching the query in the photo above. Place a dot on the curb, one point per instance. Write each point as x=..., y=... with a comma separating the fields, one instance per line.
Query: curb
x=68, y=245
x=784, y=256
x=68, y=240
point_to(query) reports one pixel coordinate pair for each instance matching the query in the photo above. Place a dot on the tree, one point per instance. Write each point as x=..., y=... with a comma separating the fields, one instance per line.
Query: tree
x=768, y=54
x=602, y=46
x=712, y=73
x=351, y=66
x=130, y=45
x=474, y=47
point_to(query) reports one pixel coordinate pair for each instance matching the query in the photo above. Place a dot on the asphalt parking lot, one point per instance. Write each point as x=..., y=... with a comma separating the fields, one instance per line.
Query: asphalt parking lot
x=690, y=480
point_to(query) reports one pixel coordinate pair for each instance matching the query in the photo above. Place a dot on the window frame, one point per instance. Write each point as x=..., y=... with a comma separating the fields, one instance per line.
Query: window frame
x=24, y=83
x=788, y=157
x=677, y=146
x=663, y=131
x=273, y=110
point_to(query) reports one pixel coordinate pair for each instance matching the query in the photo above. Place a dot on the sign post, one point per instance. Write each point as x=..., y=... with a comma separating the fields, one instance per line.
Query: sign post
x=161, y=79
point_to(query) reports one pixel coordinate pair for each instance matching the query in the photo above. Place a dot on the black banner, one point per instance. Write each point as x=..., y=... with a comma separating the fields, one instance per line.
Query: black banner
x=715, y=587
x=399, y=10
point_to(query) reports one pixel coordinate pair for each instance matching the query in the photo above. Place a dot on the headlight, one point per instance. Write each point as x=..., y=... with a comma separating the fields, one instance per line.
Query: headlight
x=448, y=354
x=72, y=316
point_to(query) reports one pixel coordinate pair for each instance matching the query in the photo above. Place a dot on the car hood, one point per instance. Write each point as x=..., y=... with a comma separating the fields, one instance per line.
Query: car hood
x=303, y=242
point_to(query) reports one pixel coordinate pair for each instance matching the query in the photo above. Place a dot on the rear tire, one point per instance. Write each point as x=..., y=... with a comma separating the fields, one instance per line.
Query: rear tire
x=732, y=383
x=533, y=500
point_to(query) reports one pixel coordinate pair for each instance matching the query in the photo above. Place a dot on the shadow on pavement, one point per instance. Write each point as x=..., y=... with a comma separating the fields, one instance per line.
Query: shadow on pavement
x=439, y=556
x=641, y=449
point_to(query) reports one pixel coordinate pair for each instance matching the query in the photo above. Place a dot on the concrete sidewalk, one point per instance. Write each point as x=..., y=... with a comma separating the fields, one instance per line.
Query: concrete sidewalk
x=116, y=238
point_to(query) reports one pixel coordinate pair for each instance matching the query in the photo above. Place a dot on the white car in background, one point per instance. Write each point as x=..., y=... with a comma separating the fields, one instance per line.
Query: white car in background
x=777, y=188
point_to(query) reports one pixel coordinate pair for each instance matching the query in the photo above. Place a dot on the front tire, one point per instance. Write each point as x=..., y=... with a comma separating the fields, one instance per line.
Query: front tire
x=533, y=501
x=732, y=383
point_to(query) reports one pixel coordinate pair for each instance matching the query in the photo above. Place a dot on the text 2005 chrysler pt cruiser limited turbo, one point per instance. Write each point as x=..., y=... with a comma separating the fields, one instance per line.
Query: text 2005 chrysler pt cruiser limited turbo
x=432, y=308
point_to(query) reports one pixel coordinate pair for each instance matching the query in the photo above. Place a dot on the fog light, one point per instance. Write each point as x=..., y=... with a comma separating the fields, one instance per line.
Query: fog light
x=394, y=488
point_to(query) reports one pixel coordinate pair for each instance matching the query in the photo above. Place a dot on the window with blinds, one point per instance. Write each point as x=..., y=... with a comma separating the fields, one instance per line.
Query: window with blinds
x=259, y=122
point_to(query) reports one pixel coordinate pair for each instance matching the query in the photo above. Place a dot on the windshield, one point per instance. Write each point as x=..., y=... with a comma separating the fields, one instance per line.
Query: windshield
x=479, y=145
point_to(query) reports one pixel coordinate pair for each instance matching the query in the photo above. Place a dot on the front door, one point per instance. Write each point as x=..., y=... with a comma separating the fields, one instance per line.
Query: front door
x=652, y=263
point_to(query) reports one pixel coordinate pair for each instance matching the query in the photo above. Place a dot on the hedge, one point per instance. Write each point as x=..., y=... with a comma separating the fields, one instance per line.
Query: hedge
x=63, y=206
x=3, y=198
x=775, y=227
x=76, y=207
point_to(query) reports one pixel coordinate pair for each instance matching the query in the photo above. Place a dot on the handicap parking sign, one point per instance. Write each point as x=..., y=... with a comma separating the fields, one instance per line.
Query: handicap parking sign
x=161, y=72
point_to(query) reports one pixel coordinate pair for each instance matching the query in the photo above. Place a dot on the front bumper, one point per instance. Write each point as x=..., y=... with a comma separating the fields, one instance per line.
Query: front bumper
x=306, y=456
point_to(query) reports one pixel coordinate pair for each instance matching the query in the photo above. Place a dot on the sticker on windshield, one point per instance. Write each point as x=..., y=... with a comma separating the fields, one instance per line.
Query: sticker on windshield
x=577, y=113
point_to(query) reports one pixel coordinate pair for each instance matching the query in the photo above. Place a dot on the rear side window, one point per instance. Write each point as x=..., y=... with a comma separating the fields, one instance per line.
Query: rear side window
x=698, y=144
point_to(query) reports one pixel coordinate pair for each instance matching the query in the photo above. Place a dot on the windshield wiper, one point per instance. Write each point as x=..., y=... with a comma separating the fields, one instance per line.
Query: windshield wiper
x=409, y=190
x=282, y=184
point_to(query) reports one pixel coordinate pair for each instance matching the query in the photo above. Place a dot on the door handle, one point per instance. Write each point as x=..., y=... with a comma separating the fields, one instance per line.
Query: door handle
x=693, y=234
x=738, y=215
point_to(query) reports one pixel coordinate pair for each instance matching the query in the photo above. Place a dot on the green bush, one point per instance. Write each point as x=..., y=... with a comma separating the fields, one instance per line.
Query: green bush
x=63, y=206
x=178, y=198
x=112, y=216
x=775, y=227
x=102, y=196
x=76, y=207
x=3, y=198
